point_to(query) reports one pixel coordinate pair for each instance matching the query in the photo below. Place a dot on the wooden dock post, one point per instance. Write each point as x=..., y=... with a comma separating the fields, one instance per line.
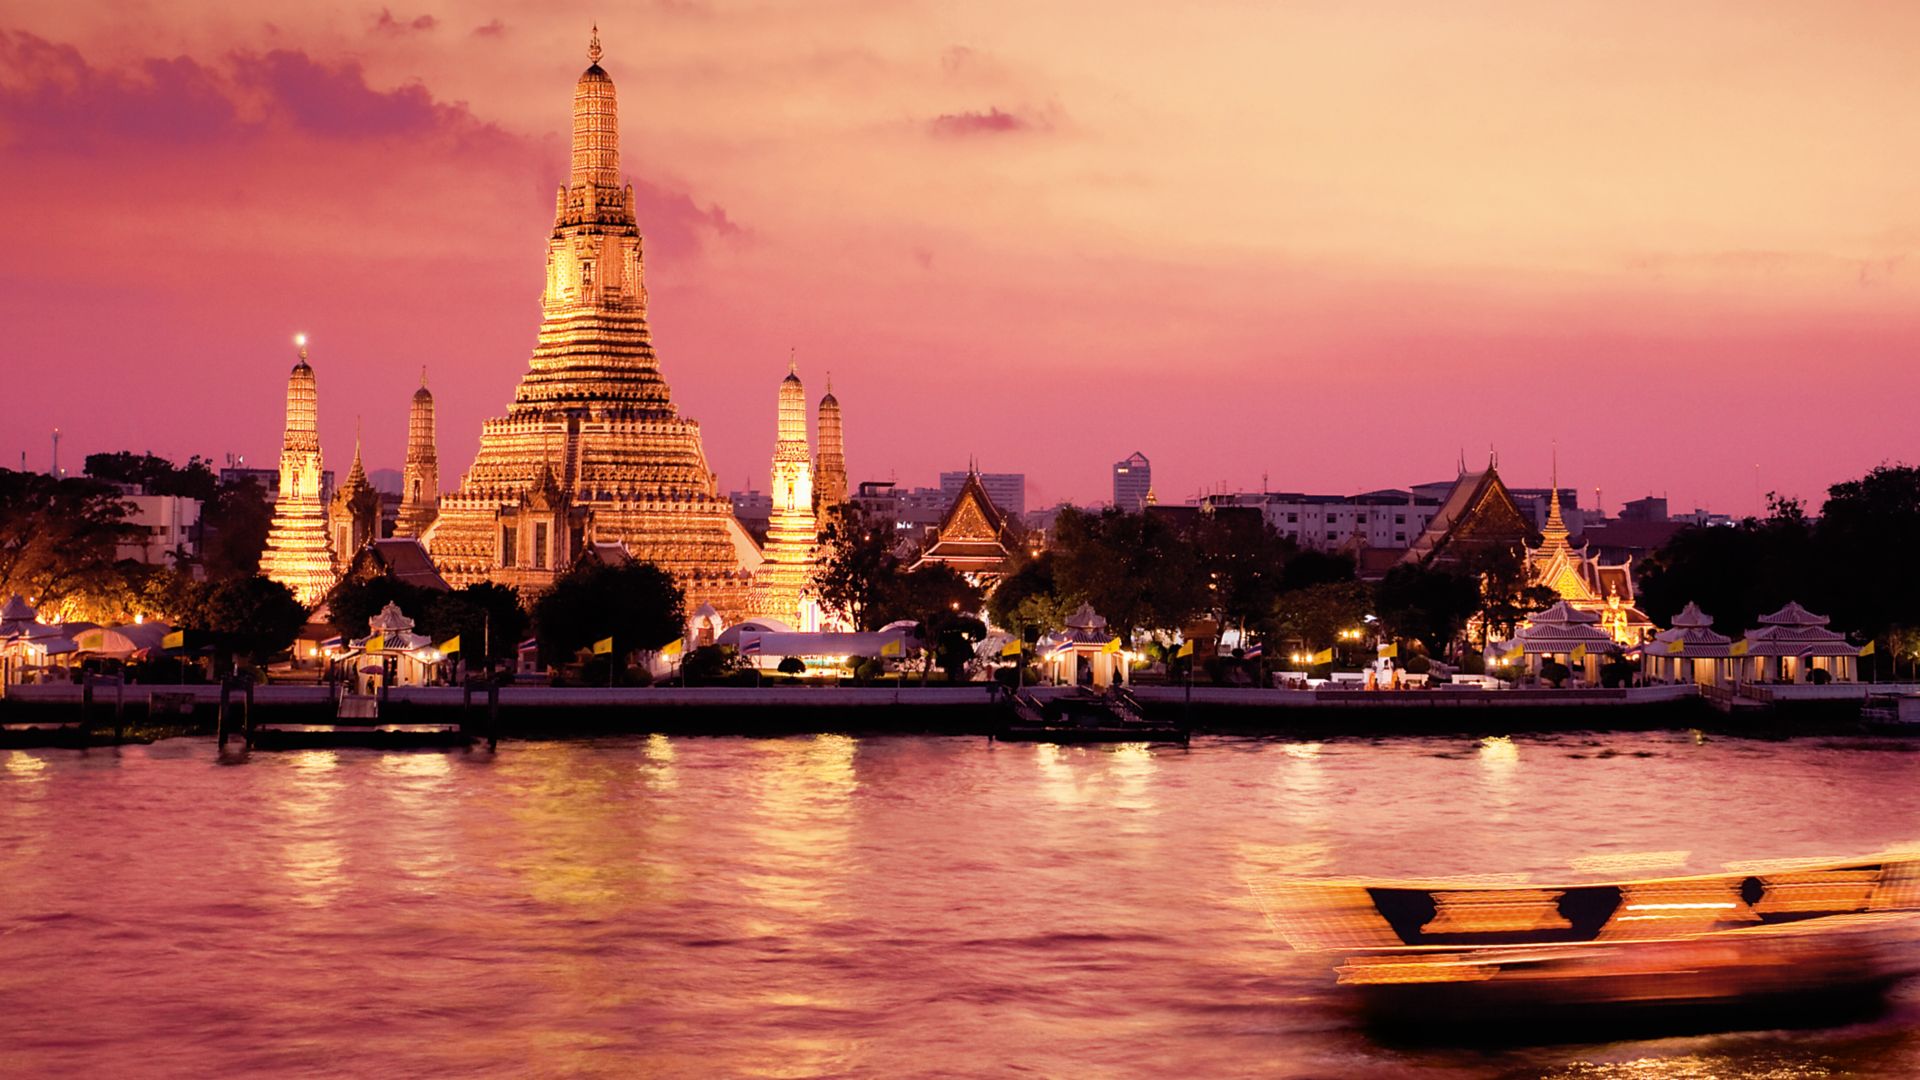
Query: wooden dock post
x=86, y=708
x=220, y=727
x=493, y=715
x=249, y=708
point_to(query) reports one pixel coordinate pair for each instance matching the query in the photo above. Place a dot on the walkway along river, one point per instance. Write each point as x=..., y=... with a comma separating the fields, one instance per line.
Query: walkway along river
x=831, y=906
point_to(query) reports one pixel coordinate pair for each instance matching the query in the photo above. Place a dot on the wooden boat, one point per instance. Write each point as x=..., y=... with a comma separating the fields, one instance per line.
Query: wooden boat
x=1763, y=944
x=1113, y=717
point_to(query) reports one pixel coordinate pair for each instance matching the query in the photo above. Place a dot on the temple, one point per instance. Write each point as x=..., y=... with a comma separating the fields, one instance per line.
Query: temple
x=592, y=448
x=353, y=514
x=973, y=538
x=420, y=475
x=1583, y=581
x=298, y=553
x=786, y=576
x=1479, y=513
x=830, y=468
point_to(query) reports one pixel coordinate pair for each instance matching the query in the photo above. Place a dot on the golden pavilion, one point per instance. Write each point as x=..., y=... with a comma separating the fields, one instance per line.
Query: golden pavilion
x=592, y=448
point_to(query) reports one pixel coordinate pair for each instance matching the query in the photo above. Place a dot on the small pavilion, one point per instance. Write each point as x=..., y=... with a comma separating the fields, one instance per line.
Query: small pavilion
x=397, y=656
x=1086, y=645
x=1555, y=633
x=1704, y=655
x=1792, y=643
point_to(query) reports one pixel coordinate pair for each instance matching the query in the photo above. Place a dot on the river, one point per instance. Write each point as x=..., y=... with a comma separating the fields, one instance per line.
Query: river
x=830, y=906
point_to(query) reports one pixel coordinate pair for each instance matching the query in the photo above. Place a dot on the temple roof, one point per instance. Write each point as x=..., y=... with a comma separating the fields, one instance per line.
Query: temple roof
x=404, y=560
x=1478, y=507
x=973, y=534
x=1793, y=615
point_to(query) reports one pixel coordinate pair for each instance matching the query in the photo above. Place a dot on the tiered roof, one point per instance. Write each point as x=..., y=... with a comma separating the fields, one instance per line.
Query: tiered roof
x=1693, y=628
x=1795, y=631
x=1560, y=629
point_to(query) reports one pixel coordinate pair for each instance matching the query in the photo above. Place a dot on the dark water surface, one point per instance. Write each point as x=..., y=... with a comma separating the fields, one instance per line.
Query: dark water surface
x=837, y=907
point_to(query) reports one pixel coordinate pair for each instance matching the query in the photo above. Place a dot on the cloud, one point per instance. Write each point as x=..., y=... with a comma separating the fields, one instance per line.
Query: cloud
x=493, y=29
x=991, y=122
x=52, y=99
x=388, y=25
x=337, y=100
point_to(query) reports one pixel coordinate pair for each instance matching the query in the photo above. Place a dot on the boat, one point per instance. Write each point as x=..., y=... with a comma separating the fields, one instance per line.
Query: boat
x=1757, y=945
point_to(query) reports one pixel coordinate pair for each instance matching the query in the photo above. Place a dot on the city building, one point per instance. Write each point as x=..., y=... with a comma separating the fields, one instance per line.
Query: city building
x=592, y=448
x=299, y=552
x=1132, y=482
x=786, y=577
x=1007, y=490
x=420, y=477
x=830, y=468
x=913, y=511
x=162, y=528
x=753, y=509
x=268, y=480
x=1384, y=519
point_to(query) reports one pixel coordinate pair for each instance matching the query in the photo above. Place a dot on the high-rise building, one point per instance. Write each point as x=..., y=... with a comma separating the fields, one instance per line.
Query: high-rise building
x=1132, y=483
x=420, y=477
x=830, y=474
x=787, y=574
x=299, y=554
x=592, y=448
x=1007, y=490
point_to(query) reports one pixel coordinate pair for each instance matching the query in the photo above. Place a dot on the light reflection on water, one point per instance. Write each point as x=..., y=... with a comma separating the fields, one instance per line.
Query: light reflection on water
x=832, y=906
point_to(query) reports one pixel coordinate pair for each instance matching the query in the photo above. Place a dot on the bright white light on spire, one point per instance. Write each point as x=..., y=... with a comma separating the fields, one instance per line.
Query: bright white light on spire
x=299, y=339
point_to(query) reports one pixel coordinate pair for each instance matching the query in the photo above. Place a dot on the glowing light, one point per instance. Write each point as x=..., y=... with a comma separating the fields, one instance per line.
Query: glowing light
x=300, y=340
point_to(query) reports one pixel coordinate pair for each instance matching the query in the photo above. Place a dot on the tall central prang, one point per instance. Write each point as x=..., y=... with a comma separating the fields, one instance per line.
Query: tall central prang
x=592, y=448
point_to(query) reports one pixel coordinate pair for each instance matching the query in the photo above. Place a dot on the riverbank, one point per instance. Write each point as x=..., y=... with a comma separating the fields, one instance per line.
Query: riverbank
x=532, y=712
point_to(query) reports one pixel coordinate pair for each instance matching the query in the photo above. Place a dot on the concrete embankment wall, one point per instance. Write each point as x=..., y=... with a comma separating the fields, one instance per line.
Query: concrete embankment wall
x=535, y=712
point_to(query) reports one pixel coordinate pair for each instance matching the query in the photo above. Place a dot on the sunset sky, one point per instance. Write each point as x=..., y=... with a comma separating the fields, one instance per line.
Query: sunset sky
x=1327, y=242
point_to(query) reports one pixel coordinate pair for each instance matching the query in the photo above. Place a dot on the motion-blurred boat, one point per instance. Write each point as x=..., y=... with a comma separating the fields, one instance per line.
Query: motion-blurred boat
x=1757, y=945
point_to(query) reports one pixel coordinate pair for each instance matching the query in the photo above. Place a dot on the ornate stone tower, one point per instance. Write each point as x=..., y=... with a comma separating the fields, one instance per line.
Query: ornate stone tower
x=830, y=472
x=353, y=515
x=420, y=476
x=593, y=411
x=298, y=553
x=787, y=573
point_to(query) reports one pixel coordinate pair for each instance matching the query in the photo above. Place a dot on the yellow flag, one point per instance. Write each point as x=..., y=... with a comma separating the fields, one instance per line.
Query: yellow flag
x=1390, y=650
x=175, y=640
x=603, y=647
x=1579, y=654
x=672, y=648
x=1739, y=648
x=1676, y=647
x=450, y=646
x=1867, y=649
x=1519, y=651
x=1186, y=649
x=1111, y=646
x=375, y=643
x=1011, y=648
x=891, y=648
x=1324, y=656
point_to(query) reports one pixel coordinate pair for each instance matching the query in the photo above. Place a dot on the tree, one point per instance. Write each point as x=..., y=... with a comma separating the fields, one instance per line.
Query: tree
x=1858, y=578
x=1315, y=615
x=1427, y=604
x=1507, y=592
x=637, y=604
x=1312, y=567
x=792, y=666
x=1135, y=569
x=59, y=540
x=355, y=601
x=253, y=617
x=860, y=568
x=156, y=475
x=234, y=528
x=1555, y=672
x=486, y=617
x=1736, y=574
x=1029, y=599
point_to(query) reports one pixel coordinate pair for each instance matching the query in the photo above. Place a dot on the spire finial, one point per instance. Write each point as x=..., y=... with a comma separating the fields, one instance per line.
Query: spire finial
x=793, y=365
x=829, y=382
x=593, y=46
x=423, y=376
x=301, y=340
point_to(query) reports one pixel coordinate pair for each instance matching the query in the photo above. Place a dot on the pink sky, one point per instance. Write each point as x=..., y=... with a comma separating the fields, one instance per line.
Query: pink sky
x=1315, y=241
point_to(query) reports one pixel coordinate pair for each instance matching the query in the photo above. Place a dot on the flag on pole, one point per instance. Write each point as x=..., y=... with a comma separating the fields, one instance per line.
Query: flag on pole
x=1254, y=651
x=175, y=640
x=1324, y=656
x=1186, y=649
x=450, y=646
x=376, y=643
x=1518, y=651
x=672, y=648
x=1579, y=655
x=751, y=646
x=1867, y=649
x=1111, y=646
x=1739, y=648
x=1676, y=647
x=1011, y=648
x=891, y=648
x=1389, y=651
x=603, y=647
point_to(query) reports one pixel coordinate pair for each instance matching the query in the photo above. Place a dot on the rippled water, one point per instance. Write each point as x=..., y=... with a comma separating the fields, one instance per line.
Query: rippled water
x=831, y=906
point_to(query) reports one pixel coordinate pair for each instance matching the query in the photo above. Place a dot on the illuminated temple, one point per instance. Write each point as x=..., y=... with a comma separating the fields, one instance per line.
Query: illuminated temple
x=830, y=468
x=787, y=575
x=592, y=450
x=1583, y=581
x=298, y=553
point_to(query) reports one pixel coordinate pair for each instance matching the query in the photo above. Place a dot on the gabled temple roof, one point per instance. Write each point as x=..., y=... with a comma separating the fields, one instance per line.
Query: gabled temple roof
x=973, y=535
x=404, y=560
x=1478, y=503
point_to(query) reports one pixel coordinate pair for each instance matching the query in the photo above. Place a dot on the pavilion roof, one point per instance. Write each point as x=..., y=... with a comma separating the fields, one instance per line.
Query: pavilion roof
x=1793, y=615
